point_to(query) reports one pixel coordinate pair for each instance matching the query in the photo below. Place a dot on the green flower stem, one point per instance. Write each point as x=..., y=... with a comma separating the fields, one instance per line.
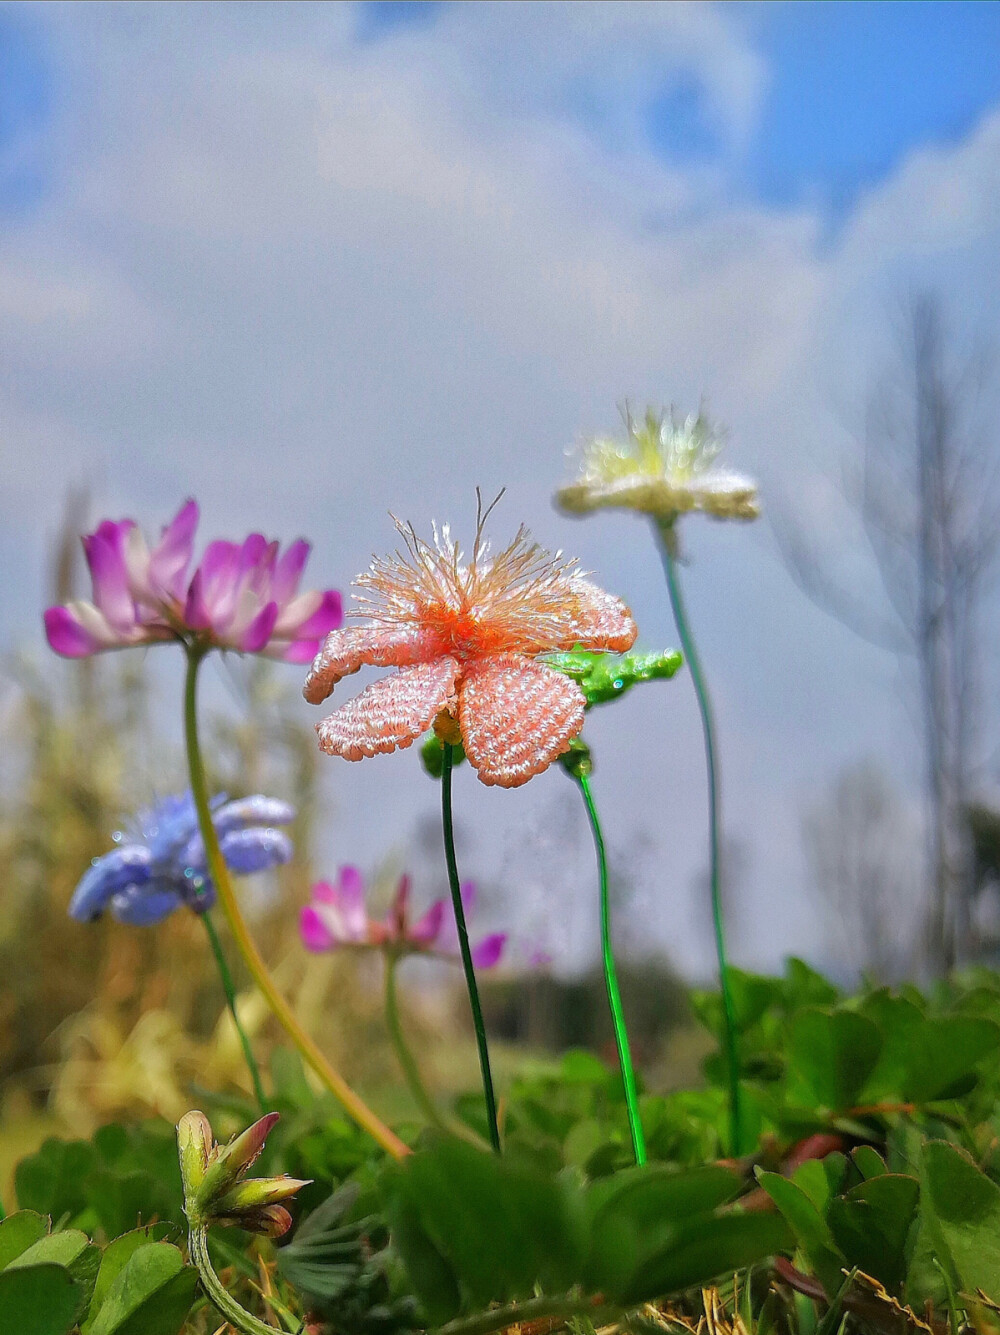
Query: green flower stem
x=230, y=991
x=235, y=1314
x=405, y=1057
x=668, y=548
x=466, y=949
x=351, y=1102
x=611, y=976
x=532, y=1309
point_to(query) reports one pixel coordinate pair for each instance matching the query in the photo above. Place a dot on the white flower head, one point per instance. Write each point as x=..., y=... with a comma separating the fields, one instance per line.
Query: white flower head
x=664, y=467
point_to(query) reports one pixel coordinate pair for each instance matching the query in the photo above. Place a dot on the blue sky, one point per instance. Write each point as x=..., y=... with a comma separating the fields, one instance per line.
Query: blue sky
x=314, y=262
x=850, y=89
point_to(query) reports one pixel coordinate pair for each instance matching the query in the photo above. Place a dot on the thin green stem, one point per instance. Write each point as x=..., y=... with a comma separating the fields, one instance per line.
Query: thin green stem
x=404, y=1056
x=611, y=978
x=466, y=949
x=532, y=1309
x=230, y=991
x=235, y=1314
x=668, y=541
x=351, y=1102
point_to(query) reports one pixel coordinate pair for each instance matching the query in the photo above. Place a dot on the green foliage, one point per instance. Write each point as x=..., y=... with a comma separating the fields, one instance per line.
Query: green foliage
x=120, y=1177
x=53, y=1281
x=474, y=1229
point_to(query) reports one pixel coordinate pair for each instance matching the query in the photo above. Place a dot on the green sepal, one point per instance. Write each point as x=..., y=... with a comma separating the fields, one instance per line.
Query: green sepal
x=603, y=677
x=432, y=755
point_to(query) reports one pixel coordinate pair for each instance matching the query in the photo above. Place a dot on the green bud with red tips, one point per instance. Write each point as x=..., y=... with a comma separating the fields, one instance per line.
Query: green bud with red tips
x=215, y=1189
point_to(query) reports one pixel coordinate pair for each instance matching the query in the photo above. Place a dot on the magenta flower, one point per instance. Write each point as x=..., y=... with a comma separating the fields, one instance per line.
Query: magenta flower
x=336, y=917
x=242, y=596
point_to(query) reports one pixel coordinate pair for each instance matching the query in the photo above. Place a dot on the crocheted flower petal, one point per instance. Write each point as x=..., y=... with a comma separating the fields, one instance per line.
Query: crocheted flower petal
x=391, y=712
x=345, y=651
x=593, y=619
x=516, y=717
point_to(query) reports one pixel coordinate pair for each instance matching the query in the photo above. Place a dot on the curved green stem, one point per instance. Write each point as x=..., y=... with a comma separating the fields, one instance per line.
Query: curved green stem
x=230, y=991
x=235, y=1314
x=404, y=1056
x=532, y=1309
x=466, y=949
x=351, y=1102
x=611, y=978
x=668, y=543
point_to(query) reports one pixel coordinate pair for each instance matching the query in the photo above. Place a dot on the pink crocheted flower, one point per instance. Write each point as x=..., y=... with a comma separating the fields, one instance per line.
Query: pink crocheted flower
x=465, y=637
x=336, y=917
x=242, y=596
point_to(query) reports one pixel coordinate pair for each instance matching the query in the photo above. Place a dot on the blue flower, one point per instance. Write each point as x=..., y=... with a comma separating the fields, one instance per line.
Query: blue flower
x=160, y=863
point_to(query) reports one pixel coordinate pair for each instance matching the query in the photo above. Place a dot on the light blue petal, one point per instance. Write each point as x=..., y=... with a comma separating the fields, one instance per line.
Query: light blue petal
x=145, y=905
x=256, y=810
x=191, y=858
x=126, y=866
x=256, y=849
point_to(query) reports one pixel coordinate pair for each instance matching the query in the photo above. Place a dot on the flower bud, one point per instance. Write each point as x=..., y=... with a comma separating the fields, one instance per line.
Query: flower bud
x=215, y=1190
x=194, y=1146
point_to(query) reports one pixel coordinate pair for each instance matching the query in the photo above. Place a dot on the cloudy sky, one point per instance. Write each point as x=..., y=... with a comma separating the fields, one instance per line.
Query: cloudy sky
x=313, y=263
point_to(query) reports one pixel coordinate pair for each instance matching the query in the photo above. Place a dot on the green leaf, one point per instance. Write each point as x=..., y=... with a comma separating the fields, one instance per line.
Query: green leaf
x=38, y=1300
x=289, y=1078
x=151, y=1294
x=899, y=1020
x=868, y=1161
x=960, y=1206
x=872, y=1223
x=703, y=1249
x=53, y=1181
x=640, y=1209
x=831, y=1055
x=943, y=1051
x=805, y=987
x=55, y=1248
x=18, y=1232
x=810, y=1228
x=433, y=1278
x=114, y=1257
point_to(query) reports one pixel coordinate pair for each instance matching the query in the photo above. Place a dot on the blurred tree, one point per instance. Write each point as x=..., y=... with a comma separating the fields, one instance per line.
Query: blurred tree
x=860, y=849
x=926, y=493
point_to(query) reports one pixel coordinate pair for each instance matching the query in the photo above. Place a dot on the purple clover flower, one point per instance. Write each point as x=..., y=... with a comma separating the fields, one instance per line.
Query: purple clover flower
x=242, y=596
x=336, y=917
x=160, y=862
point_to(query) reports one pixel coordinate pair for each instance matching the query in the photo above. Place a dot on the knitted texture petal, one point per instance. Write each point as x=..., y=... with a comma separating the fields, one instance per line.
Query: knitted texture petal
x=392, y=712
x=346, y=651
x=516, y=717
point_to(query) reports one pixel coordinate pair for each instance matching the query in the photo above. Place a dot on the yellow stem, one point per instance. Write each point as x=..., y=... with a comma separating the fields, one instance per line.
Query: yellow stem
x=351, y=1102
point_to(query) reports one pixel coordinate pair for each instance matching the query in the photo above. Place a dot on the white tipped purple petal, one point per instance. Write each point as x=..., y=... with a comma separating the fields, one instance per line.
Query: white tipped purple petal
x=426, y=930
x=316, y=936
x=172, y=554
x=255, y=637
x=105, y=553
x=67, y=636
x=288, y=572
x=351, y=891
x=128, y=866
x=311, y=615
